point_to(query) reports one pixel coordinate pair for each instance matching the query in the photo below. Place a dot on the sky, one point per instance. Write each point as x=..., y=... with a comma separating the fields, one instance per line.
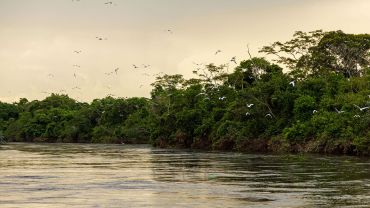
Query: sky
x=38, y=39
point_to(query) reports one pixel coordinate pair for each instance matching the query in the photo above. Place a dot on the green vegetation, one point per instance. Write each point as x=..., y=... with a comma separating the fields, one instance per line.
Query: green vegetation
x=59, y=118
x=316, y=104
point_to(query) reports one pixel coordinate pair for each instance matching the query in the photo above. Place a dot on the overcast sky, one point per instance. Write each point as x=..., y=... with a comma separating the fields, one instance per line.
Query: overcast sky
x=38, y=39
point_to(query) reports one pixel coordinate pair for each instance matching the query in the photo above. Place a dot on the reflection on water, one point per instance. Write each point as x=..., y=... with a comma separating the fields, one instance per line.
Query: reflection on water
x=70, y=175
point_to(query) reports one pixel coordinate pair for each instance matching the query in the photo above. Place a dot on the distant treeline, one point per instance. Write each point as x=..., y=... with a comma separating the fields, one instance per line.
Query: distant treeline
x=318, y=103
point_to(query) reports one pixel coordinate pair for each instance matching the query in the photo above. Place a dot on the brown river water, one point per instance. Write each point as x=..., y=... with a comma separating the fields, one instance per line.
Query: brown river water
x=85, y=175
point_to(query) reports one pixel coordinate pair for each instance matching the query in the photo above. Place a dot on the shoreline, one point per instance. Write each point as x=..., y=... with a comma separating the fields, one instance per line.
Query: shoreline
x=269, y=148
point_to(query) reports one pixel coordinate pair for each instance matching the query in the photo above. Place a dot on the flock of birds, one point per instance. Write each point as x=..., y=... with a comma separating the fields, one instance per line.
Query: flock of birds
x=115, y=72
x=147, y=66
x=270, y=115
x=134, y=67
x=316, y=111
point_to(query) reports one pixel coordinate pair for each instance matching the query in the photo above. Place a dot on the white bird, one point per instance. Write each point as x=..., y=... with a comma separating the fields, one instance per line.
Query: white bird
x=292, y=83
x=315, y=111
x=222, y=98
x=250, y=105
x=268, y=115
x=247, y=114
x=339, y=112
x=356, y=116
x=363, y=108
x=244, y=69
x=202, y=93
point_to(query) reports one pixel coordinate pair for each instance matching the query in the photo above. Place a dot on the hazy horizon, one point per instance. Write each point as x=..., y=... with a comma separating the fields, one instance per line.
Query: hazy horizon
x=39, y=38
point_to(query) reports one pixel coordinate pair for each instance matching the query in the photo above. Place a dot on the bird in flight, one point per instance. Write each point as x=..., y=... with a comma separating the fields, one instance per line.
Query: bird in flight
x=314, y=111
x=146, y=66
x=222, y=98
x=247, y=114
x=116, y=70
x=77, y=66
x=339, y=111
x=136, y=67
x=218, y=51
x=76, y=88
x=292, y=83
x=361, y=108
x=77, y=51
x=198, y=64
x=250, y=105
x=109, y=2
x=101, y=38
x=233, y=59
x=169, y=31
x=268, y=115
x=356, y=116
x=51, y=75
x=202, y=93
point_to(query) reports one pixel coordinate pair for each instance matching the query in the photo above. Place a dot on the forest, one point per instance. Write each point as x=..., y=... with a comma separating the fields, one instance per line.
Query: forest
x=308, y=94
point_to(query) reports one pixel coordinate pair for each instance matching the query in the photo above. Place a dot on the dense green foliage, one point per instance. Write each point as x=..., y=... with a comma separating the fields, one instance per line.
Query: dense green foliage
x=59, y=118
x=316, y=104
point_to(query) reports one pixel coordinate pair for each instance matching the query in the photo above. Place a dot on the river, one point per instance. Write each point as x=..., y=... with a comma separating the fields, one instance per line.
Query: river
x=86, y=175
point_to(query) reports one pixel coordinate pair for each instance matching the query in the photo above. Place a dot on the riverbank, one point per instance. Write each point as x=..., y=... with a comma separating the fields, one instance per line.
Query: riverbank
x=331, y=147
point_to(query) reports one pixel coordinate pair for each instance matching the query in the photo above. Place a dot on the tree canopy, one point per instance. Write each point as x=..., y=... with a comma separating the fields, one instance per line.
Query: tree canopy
x=313, y=97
